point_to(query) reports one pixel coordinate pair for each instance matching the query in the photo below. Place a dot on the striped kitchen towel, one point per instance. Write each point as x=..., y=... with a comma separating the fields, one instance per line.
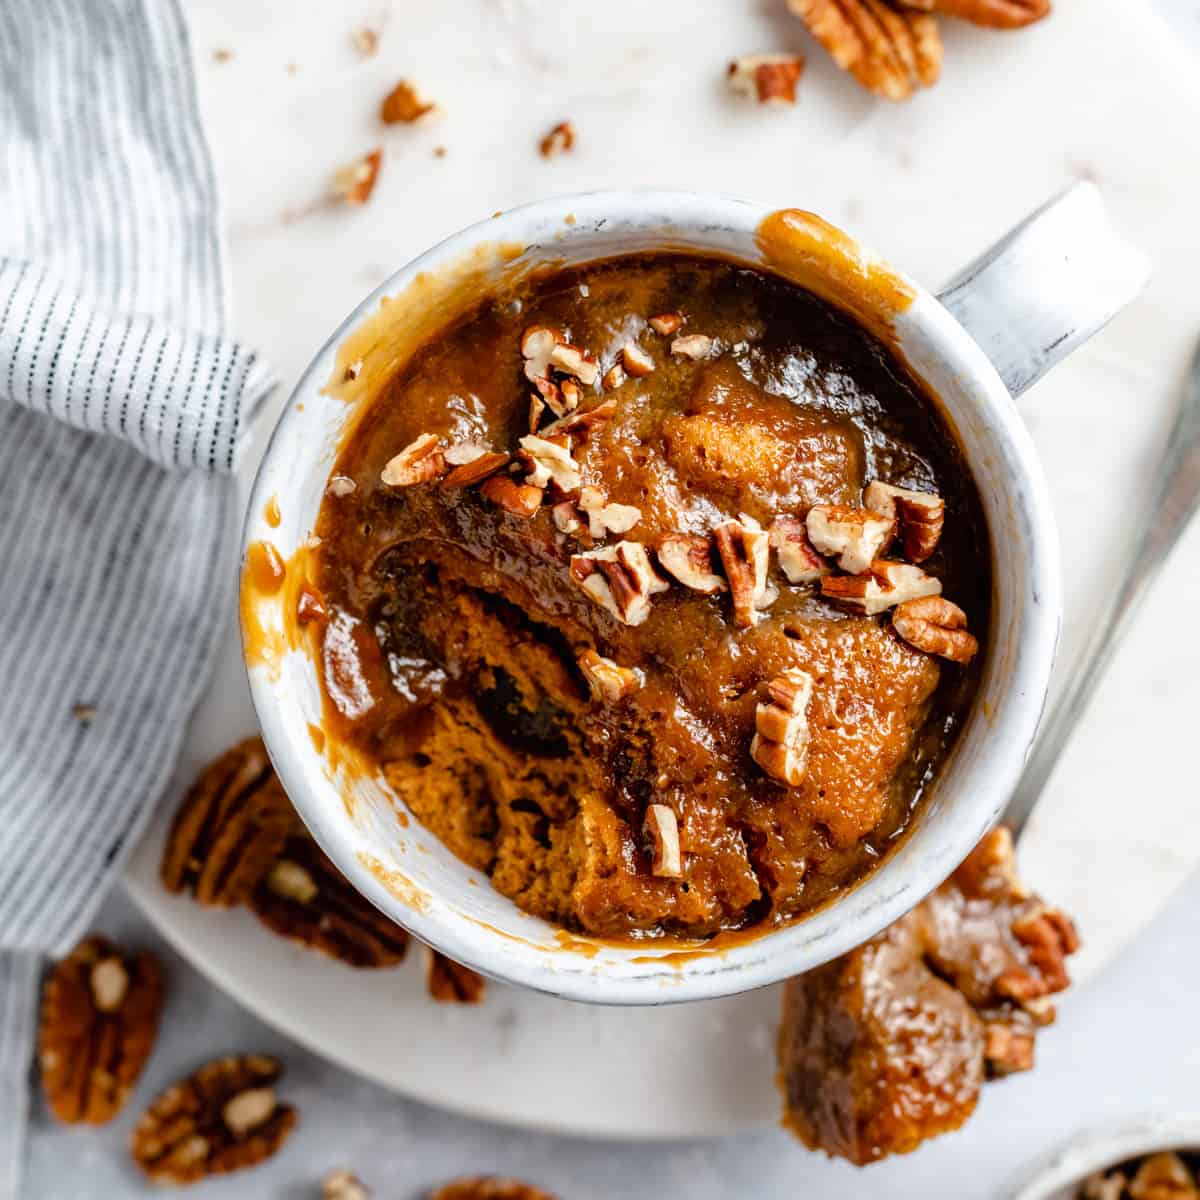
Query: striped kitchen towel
x=121, y=408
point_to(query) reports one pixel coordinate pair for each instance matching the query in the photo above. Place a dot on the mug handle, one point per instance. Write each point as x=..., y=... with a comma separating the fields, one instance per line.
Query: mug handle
x=1047, y=286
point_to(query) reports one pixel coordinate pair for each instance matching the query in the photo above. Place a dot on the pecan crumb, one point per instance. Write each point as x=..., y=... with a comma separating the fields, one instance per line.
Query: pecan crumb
x=766, y=78
x=613, y=377
x=365, y=40
x=937, y=626
x=222, y=54
x=559, y=140
x=404, y=104
x=780, y=742
x=605, y=679
x=343, y=1184
x=85, y=714
x=662, y=830
x=354, y=183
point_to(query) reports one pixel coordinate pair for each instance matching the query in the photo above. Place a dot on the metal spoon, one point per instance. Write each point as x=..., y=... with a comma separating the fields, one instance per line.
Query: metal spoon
x=1163, y=522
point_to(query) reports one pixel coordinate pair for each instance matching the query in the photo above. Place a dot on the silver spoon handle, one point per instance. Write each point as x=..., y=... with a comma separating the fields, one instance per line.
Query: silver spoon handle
x=1174, y=500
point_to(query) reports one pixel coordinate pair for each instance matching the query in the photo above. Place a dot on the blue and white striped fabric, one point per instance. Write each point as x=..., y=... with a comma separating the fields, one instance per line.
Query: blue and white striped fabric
x=121, y=406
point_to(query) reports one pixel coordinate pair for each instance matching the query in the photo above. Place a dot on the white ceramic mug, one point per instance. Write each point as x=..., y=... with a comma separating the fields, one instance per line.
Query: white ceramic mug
x=1019, y=308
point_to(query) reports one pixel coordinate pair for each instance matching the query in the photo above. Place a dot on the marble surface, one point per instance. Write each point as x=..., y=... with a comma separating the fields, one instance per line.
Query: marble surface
x=1129, y=1045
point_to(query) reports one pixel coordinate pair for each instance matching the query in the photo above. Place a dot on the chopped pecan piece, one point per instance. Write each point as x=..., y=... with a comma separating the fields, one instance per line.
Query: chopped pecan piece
x=537, y=409
x=620, y=579
x=419, y=462
x=99, y=1019
x=937, y=626
x=586, y=421
x=662, y=831
x=854, y=536
x=605, y=518
x=449, y=982
x=229, y=828
x=613, y=377
x=693, y=345
x=767, y=78
x=340, y=485
x=689, y=558
x=798, y=557
x=404, y=105
x=354, y=183
x=1048, y=936
x=605, y=679
x=1007, y=1049
x=558, y=141
x=780, y=742
x=306, y=899
x=1163, y=1176
x=1104, y=1186
x=918, y=515
x=666, y=323
x=566, y=517
x=995, y=14
x=520, y=499
x=344, y=1185
x=476, y=470
x=636, y=361
x=550, y=461
x=745, y=552
x=889, y=51
x=488, y=1187
x=544, y=348
x=220, y=1118
x=883, y=586
x=460, y=453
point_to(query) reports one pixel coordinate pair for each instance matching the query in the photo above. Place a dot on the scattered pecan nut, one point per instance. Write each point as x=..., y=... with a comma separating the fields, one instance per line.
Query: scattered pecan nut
x=936, y=626
x=585, y=421
x=488, y=1187
x=221, y=1118
x=419, y=462
x=605, y=679
x=766, y=78
x=343, y=1184
x=780, y=742
x=99, y=1019
x=884, y=585
x=662, y=831
x=919, y=516
x=666, y=323
x=354, y=183
x=605, y=518
x=798, y=557
x=404, y=105
x=519, y=499
x=449, y=982
x=229, y=829
x=544, y=349
x=891, y=51
x=613, y=377
x=550, y=461
x=994, y=14
x=478, y=469
x=689, y=558
x=745, y=550
x=620, y=579
x=558, y=141
x=305, y=898
x=856, y=537
x=694, y=346
x=636, y=361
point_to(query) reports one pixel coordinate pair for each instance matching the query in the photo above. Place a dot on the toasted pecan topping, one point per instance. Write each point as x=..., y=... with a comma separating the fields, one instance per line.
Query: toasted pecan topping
x=613, y=377
x=99, y=1021
x=884, y=585
x=666, y=323
x=565, y=516
x=693, y=345
x=550, y=461
x=1007, y=1049
x=404, y=105
x=354, y=183
x=766, y=78
x=918, y=515
x=620, y=579
x=689, y=558
x=854, y=536
x=558, y=141
x=662, y=831
x=544, y=348
x=449, y=982
x=537, y=409
x=520, y=499
x=798, y=558
x=419, y=462
x=745, y=553
x=475, y=470
x=995, y=14
x=605, y=679
x=937, y=626
x=780, y=742
x=605, y=518
x=890, y=51
x=636, y=361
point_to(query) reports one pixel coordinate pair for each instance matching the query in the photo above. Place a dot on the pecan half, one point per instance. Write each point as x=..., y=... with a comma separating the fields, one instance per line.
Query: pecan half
x=354, y=183
x=883, y=586
x=995, y=14
x=919, y=516
x=693, y=345
x=475, y=471
x=488, y=1187
x=689, y=558
x=745, y=552
x=99, y=1019
x=666, y=323
x=798, y=557
x=854, y=536
x=220, y=1118
x=604, y=518
x=766, y=78
x=419, y=462
x=890, y=51
x=550, y=461
x=229, y=828
x=662, y=831
x=404, y=105
x=620, y=579
x=449, y=982
x=305, y=898
x=937, y=626
x=520, y=499
x=605, y=679
x=780, y=742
